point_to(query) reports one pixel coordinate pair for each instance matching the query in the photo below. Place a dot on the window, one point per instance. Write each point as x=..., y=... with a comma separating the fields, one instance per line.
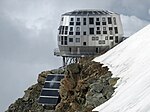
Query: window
x=70, y=39
x=103, y=19
x=114, y=21
x=66, y=30
x=104, y=28
x=98, y=28
x=110, y=28
x=91, y=20
x=59, y=38
x=60, y=29
x=106, y=38
x=104, y=32
x=97, y=19
x=109, y=20
x=96, y=38
x=71, y=19
x=84, y=43
x=77, y=29
x=103, y=23
x=70, y=33
x=78, y=19
x=63, y=28
x=97, y=23
x=62, y=18
x=62, y=39
x=84, y=33
x=77, y=23
x=77, y=40
x=91, y=31
x=71, y=23
x=98, y=32
x=65, y=41
x=71, y=28
x=77, y=33
x=111, y=38
x=84, y=21
x=116, y=30
x=116, y=39
x=102, y=42
x=93, y=38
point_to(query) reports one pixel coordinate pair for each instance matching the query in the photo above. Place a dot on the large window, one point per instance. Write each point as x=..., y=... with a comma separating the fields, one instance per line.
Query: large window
x=116, y=30
x=62, y=40
x=84, y=21
x=66, y=30
x=109, y=20
x=91, y=31
x=114, y=19
x=65, y=40
x=116, y=39
x=110, y=30
x=91, y=20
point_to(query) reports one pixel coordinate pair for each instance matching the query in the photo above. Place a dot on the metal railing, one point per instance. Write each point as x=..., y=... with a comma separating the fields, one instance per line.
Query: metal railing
x=57, y=52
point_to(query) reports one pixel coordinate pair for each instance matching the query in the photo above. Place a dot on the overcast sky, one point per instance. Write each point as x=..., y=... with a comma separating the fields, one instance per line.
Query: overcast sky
x=28, y=31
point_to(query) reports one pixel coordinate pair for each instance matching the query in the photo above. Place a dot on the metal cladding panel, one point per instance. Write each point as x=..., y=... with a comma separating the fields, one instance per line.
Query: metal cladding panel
x=49, y=94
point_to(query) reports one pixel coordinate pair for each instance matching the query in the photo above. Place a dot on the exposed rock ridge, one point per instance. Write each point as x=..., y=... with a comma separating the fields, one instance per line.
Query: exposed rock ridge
x=86, y=85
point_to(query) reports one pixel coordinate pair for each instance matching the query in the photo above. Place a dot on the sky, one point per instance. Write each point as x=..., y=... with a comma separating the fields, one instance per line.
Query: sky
x=28, y=36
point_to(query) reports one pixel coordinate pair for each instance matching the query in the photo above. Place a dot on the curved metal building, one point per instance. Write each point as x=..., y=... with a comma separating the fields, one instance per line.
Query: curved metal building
x=88, y=32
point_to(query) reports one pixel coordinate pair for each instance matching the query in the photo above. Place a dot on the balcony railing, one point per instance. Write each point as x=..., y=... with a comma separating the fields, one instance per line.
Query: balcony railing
x=57, y=52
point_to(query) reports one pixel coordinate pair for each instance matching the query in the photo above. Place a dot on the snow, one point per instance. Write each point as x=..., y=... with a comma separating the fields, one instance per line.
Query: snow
x=130, y=60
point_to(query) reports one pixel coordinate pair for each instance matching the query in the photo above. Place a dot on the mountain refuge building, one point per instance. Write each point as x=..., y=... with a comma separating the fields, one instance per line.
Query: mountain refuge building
x=88, y=32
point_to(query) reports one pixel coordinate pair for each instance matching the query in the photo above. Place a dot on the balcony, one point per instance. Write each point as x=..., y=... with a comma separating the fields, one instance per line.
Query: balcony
x=57, y=52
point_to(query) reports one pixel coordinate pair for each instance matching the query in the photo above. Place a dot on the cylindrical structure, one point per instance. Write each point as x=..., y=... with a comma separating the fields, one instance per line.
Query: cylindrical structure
x=88, y=32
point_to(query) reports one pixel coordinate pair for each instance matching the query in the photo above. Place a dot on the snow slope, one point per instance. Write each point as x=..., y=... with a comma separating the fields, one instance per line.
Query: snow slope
x=130, y=61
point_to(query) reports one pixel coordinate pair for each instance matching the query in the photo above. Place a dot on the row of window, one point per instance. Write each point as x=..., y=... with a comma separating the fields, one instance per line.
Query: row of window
x=64, y=41
x=92, y=31
x=92, y=21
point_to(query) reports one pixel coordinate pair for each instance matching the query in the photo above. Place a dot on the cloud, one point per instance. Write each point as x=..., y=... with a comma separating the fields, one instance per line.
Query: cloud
x=28, y=32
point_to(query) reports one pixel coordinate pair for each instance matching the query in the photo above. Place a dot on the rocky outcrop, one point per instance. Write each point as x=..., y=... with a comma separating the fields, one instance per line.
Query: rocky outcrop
x=29, y=102
x=86, y=85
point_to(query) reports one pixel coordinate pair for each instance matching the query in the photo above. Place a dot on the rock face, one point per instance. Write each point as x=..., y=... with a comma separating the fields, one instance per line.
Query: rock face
x=86, y=85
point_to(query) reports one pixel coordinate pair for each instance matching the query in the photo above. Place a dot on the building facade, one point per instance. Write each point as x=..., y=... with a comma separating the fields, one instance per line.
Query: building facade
x=88, y=32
